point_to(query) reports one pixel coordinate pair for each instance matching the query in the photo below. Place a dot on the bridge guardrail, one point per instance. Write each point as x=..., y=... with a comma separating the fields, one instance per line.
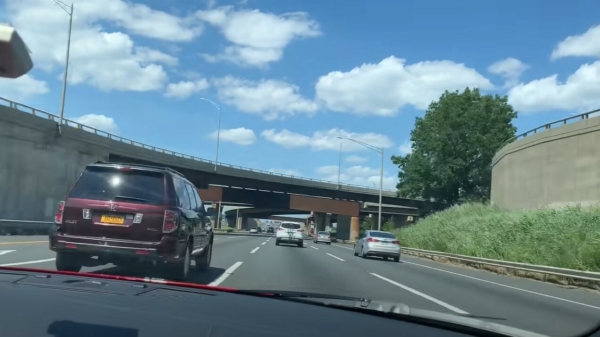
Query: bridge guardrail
x=550, y=125
x=563, y=276
x=55, y=118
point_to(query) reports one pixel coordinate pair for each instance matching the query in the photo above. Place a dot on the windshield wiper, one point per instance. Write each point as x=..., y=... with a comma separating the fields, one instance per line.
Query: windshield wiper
x=301, y=294
x=131, y=198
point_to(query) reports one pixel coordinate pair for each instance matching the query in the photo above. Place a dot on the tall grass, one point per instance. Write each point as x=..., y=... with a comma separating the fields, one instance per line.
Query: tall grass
x=566, y=238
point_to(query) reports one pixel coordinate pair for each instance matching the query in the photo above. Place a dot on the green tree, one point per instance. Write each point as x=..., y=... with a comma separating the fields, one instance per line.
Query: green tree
x=388, y=226
x=453, y=146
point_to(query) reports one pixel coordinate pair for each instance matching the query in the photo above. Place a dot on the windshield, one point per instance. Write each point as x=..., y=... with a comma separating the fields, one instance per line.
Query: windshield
x=439, y=154
x=383, y=235
x=110, y=183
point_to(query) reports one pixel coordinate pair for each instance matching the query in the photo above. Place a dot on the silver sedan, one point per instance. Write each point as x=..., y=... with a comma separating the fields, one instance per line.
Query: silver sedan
x=323, y=237
x=377, y=243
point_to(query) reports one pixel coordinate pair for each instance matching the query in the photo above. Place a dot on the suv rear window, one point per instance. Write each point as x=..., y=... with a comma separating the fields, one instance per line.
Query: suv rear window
x=290, y=225
x=110, y=183
x=384, y=235
x=323, y=233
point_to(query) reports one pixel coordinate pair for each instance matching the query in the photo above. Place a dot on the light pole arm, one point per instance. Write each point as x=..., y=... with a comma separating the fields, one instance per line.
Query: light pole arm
x=368, y=146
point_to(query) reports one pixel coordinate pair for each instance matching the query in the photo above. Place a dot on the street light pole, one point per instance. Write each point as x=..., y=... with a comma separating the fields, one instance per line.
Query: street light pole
x=340, y=165
x=64, y=88
x=218, y=130
x=379, y=150
x=380, y=191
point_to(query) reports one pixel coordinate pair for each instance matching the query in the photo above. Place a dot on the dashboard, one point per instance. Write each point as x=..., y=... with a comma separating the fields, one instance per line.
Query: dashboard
x=45, y=304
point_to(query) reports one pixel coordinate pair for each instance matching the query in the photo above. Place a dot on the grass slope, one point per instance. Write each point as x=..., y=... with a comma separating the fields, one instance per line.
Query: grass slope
x=567, y=238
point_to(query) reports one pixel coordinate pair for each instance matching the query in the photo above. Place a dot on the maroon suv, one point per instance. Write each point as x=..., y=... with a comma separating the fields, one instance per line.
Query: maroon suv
x=128, y=213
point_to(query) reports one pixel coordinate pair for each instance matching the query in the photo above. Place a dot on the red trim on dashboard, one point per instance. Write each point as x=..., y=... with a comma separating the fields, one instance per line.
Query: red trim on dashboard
x=123, y=278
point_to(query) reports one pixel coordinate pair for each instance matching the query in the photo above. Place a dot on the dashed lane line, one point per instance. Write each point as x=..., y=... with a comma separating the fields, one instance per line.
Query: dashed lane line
x=335, y=257
x=226, y=274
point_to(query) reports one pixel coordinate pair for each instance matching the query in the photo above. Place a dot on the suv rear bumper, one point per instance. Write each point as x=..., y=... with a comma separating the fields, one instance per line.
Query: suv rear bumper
x=168, y=249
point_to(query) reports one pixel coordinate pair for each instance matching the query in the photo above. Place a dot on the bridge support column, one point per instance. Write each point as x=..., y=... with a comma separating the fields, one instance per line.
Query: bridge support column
x=230, y=221
x=322, y=221
x=375, y=221
x=239, y=224
x=354, y=228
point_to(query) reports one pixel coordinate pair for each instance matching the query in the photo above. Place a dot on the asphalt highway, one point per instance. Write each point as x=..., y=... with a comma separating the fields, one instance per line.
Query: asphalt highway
x=256, y=263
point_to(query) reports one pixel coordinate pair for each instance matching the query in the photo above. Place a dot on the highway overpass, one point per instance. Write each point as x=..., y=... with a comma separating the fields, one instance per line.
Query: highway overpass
x=38, y=165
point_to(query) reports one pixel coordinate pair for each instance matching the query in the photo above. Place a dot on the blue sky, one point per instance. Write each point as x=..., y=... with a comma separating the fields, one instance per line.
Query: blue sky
x=292, y=75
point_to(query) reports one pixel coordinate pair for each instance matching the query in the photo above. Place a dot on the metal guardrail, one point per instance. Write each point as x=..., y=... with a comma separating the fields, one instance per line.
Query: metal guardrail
x=24, y=227
x=553, y=271
x=550, y=125
x=55, y=118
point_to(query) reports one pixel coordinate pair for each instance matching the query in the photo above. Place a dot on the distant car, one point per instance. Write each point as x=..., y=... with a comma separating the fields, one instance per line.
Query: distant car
x=270, y=230
x=377, y=243
x=125, y=213
x=322, y=237
x=259, y=229
x=253, y=230
x=290, y=232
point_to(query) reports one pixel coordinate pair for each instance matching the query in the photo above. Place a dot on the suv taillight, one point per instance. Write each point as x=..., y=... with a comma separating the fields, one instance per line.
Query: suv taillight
x=281, y=229
x=300, y=230
x=170, y=221
x=58, y=217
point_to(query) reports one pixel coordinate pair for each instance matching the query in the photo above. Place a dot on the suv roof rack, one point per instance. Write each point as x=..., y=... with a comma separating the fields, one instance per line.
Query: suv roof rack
x=163, y=168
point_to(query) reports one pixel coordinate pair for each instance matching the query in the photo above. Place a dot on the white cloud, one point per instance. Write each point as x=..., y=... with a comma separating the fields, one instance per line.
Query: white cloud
x=584, y=45
x=405, y=148
x=289, y=172
x=357, y=175
x=258, y=38
x=23, y=88
x=270, y=99
x=99, y=122
x=101, y=56
x=509, y=68
x=326, y=140
x=355, y=159
x=240, y=136
x=579, y=92
x=383, y=89
x=185, y=89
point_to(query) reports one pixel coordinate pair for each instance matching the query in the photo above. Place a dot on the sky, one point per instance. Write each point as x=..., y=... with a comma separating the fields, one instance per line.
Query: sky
x=291, y=76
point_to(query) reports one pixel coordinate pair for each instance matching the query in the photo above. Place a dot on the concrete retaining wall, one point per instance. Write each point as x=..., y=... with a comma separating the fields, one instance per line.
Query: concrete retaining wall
x=555, y=167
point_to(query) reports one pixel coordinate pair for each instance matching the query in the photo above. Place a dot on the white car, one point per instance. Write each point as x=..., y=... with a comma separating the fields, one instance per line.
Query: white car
x=253, y=230
x=290, y=232
x=377, y=243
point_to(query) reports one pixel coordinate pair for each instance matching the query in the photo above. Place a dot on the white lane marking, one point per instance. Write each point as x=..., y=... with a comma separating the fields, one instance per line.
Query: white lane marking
x=335, y=257
x=504, y=285
x=313, y=247
x=231, y=237
x=27, y=262
x=418, y=293
x=226, y=274
x=343, y=247
x=254, y=250
x=2, y=252
x=263, y=243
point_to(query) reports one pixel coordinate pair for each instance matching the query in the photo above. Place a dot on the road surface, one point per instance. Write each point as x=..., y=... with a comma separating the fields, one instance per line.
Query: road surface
x=256, y=263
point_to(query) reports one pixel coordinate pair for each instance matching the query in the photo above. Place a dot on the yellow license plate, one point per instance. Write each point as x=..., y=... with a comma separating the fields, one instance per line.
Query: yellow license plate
x=112, y=219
